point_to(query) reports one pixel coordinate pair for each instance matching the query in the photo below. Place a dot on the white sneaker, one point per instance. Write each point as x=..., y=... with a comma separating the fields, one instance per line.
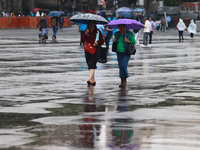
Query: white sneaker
x=142, y=45
x=149, y=45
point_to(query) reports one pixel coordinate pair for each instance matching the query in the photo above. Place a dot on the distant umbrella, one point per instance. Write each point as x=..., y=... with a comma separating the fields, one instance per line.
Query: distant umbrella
x=66, y=10
x=90, y=11
x=139, y=10
x=85, y=18
x=54, y=14
x=126, y=15
x=124, y=9
x=46, y=10
x=36, y=9
x=62, y=12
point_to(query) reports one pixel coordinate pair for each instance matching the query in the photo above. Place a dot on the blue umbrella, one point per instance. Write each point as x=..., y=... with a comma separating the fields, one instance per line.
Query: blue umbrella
x=54, y=14
x=62, y=12
x=84, y=18
x=124, y=9
x=139, y=10
x=126, y=15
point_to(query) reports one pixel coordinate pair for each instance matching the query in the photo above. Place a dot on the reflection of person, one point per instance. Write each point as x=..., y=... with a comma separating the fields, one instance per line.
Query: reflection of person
x=122, y=37
x=43, y=22
x=121, y=132
x=81, y=29
x=89, y=37
x=181, y=27
x=192, y=29
x=147, y=28
x=152, y=31
x=89, y=130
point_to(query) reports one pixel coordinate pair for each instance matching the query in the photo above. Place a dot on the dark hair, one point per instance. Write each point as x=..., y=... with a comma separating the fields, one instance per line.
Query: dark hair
x=122, y=25
x=95, y=27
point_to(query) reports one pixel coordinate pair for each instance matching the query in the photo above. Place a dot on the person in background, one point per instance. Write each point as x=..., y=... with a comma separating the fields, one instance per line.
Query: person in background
x=147, y=28
x=43, y=22
x=168, y=22
x=108, y=34
x=137, y=33
x=101, y=28
x=81, y=30
x=152, y=31
x=181, y=27
x=163, y=24
x=192, y=29
x=89, y=37
x=61, y=21
x=121, y=37
x=54, y=27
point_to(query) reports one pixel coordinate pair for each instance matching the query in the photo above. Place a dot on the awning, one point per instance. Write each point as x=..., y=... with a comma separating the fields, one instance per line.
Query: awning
x=168, y=9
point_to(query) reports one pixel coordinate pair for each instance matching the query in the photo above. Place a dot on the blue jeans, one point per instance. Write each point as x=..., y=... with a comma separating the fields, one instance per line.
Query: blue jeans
x=55, y=29
x=123, y=60
x=145, y=38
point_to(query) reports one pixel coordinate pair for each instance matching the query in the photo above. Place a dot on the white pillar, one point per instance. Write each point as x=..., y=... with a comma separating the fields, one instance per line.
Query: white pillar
x=141, y=2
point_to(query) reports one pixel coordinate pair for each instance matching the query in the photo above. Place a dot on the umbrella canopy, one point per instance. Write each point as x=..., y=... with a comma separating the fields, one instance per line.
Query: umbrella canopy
x=36, y=9
x=84, y=18
x=139, y=10
x=90, y=11
x=124, y=9
x=54, y=14
x=130, y=24
x=62, y=12
x=126, y=15
x=46, y=10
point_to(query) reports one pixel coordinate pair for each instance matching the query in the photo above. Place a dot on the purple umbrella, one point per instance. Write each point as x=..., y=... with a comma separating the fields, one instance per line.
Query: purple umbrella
x=130, y=24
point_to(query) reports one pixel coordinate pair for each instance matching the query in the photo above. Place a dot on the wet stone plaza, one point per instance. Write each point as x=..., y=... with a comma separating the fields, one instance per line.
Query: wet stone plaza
x=45, y=103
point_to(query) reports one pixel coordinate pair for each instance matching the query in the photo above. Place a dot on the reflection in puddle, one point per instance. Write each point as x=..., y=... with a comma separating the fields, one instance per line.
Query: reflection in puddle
x=88, y=130
x=121, y=131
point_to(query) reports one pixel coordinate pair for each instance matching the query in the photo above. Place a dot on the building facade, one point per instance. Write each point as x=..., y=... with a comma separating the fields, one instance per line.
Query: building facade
x=26, y=5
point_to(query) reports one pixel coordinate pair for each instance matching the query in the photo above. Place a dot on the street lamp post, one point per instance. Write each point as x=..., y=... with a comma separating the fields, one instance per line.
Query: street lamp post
x=179, y=8
x=57, y=4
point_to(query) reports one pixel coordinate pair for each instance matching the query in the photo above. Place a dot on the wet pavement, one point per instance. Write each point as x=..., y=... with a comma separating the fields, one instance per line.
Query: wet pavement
x=45, y=103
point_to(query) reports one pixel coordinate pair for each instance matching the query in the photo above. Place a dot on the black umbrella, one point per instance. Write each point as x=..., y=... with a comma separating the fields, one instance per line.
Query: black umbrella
x=46, y=10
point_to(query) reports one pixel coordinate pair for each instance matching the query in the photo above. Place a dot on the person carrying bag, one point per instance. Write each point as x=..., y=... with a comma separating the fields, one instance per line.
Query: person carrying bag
x=121, y=44
x=91, y=58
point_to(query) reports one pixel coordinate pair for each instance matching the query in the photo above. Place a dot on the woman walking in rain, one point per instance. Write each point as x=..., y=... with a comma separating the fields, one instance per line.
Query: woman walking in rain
x=181, y=27
x=121, y=37
x=192, y=29
x=89, y=37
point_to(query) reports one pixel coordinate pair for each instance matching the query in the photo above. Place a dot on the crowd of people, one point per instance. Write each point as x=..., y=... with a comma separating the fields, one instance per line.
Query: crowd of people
x=88, y=34
x=43, y=24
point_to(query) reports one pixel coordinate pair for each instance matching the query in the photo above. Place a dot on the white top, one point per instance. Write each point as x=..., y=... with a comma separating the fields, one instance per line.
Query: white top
x=181, y=25
x=192, y=27
x=147, y=26
x=37, y=14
